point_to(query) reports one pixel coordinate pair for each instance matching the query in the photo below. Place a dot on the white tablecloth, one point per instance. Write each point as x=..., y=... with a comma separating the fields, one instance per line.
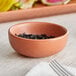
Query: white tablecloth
x=13, y=64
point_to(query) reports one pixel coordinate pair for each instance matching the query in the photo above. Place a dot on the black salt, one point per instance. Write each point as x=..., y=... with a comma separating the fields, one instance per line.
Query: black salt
x=34, y=36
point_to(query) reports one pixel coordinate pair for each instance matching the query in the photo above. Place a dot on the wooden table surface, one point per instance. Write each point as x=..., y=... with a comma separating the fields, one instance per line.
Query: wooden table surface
x=13, y=64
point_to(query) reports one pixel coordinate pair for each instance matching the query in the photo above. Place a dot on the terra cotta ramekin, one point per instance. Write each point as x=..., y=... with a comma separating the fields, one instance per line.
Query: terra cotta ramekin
x=38, y=47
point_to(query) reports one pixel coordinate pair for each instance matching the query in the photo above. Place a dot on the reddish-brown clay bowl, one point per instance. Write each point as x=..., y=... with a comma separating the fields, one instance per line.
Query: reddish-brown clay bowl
x=36, y=47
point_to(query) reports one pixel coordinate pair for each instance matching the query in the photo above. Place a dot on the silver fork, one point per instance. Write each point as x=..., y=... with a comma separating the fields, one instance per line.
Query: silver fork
x=60, y=71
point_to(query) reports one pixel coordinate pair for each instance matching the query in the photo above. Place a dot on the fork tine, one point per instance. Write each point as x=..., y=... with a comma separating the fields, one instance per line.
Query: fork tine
x=57, y=67
x=55, y=70
x=63, y=69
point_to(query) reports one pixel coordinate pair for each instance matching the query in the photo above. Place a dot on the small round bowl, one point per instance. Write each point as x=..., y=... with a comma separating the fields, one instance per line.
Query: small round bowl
x=38, y=47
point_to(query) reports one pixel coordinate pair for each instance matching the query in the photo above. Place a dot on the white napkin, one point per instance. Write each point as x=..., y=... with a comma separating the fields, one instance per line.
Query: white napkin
x=43, y=69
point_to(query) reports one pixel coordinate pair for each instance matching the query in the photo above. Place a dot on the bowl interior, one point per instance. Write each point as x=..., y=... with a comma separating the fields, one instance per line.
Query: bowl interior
x=38, y=28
